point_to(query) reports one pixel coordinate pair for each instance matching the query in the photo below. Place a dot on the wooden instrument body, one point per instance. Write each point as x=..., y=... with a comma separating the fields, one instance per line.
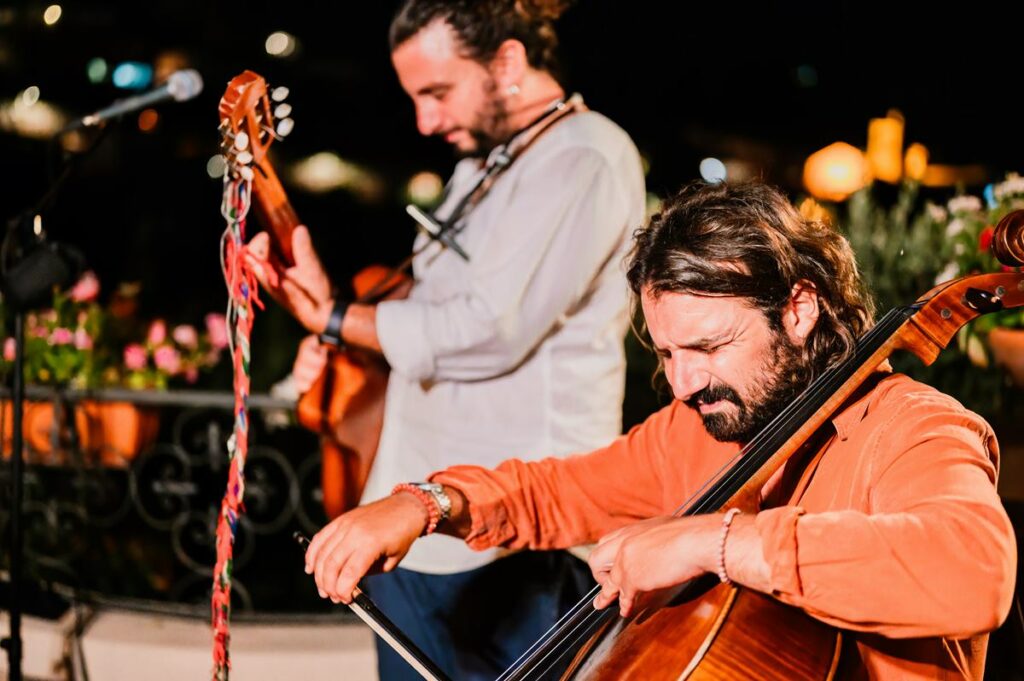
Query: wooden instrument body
x=726, y=633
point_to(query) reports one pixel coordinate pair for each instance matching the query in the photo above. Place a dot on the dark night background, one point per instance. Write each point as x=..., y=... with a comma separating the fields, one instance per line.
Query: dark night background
x=769, y=83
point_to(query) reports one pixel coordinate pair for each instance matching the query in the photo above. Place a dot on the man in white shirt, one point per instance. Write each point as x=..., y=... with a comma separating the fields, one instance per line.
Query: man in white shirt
x=517, y=349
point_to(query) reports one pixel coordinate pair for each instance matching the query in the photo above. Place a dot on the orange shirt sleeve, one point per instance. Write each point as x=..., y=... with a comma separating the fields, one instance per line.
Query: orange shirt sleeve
x=931, y=554
x=558, y=503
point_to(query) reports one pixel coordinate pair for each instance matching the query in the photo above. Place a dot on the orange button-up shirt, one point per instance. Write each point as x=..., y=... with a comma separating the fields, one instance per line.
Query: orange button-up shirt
x=899, y=536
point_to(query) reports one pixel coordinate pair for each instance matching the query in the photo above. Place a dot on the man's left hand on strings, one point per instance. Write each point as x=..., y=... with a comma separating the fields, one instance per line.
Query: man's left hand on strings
x=304, y=288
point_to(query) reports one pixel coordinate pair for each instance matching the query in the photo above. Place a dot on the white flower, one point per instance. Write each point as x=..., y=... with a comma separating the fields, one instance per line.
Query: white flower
x=948, y=272
x=959, y=248
x=955, y=226
x=1014, y=184
x=936, y=212
x=964, y=204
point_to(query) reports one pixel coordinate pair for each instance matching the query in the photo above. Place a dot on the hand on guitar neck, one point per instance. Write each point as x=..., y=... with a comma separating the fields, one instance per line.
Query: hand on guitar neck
x=305, y=290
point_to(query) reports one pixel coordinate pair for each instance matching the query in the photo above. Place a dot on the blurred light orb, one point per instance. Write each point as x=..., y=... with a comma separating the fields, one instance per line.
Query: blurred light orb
x=425, y=188
x=806, y=76
x=52, y=14
x=132, y=75
x=96, y=69
x=280, y=44
x=712, y=170
x=148, y=120
x=216, y=166
x=30, y=95
x=915, y=161
x=835, y=172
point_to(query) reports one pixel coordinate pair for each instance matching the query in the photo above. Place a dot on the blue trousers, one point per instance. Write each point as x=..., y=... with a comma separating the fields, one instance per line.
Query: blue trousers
x=475, y=624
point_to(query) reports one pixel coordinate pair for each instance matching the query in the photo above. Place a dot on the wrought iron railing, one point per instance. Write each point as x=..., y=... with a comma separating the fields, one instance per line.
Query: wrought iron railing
x=138, y=527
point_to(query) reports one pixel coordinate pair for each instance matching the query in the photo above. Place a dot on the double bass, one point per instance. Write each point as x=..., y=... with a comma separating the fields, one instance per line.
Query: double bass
x=346, y=404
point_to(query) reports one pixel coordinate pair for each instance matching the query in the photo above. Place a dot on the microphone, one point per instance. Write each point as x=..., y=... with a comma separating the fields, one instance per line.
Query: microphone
x=434, y=230
x=180, y=86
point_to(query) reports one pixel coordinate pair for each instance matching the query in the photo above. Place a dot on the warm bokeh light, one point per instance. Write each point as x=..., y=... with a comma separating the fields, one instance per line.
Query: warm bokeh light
x=30, y=95
x=949, y=176
x=812, y=210
x=885, y=148
x=424, y=188
x=148, y=120
x=915, y=161
x=835, y=172
x=52, y=14
x=326, y=171
x=38, y=119
x=167, y=62
x=280, y=44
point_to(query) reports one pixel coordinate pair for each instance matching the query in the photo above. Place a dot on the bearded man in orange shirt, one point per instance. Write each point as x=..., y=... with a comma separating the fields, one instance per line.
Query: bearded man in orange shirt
x=894, y=533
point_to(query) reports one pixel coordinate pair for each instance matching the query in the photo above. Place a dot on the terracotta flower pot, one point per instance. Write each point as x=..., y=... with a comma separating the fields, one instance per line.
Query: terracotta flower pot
x=109, y=433
x=1008, y=351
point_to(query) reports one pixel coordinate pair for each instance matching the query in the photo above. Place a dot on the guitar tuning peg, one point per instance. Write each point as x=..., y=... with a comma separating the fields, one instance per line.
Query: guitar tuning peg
x=242, y=141
x=283, y=111
x=284, y=127
x=246, y=173
x=279, y=94
x=244, y=158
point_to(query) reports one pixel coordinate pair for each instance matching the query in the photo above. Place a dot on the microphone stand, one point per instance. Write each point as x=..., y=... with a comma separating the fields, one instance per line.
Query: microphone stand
x=30, y=268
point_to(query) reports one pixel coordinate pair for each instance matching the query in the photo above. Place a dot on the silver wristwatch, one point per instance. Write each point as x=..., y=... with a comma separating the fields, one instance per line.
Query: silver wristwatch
x=436, y=491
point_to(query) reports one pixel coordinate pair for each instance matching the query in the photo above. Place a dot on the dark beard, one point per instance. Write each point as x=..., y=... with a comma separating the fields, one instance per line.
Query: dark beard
x=783, y=376
x=489, y=128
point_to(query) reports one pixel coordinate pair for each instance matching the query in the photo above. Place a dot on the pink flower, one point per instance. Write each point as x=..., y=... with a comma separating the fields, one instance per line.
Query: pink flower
x=157, y=332
x=83, y=341
x=39, y=331
x=61, y=336
x=167, y=359
x=217, y=327
x=9, y=349
x=191, y=374
x=87, y=288
x=135, y=357
x=185, y=335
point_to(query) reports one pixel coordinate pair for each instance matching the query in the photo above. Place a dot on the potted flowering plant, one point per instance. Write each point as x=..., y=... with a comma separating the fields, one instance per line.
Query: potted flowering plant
x=81, y=345
x=968, y=223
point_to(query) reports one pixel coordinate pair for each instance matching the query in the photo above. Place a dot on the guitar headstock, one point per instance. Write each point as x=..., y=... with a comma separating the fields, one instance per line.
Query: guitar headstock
x=251, y=118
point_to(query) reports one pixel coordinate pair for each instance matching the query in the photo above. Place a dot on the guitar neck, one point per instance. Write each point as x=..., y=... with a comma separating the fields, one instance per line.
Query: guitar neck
x=275, y=212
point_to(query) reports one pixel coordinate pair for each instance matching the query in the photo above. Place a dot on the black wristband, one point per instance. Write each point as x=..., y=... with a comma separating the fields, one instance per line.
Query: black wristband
x=332, y=334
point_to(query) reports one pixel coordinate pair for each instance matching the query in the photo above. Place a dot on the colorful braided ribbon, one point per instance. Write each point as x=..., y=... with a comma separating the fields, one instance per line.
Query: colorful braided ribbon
x=242, y=297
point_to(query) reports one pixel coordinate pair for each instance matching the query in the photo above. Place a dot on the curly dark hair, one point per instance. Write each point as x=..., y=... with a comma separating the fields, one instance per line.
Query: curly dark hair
x=483, y=25
x=747, y=240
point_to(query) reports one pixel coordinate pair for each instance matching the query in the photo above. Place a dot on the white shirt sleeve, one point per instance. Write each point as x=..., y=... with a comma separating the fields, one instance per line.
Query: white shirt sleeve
x=568, y=216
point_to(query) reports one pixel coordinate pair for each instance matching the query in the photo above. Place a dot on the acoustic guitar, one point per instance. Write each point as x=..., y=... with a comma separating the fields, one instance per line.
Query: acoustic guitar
x=346, y=404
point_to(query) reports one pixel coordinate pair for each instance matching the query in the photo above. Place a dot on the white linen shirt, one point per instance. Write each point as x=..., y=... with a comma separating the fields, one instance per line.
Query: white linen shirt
x=518, y=352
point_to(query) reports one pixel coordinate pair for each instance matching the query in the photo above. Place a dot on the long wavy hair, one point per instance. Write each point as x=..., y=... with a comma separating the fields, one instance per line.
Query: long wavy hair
x=747, y=240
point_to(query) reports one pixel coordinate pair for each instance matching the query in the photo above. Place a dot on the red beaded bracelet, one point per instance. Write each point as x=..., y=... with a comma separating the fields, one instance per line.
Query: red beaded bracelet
x=433, y=510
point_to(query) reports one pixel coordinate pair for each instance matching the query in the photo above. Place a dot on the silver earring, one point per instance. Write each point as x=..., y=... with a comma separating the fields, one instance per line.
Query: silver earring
x=513, y=89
